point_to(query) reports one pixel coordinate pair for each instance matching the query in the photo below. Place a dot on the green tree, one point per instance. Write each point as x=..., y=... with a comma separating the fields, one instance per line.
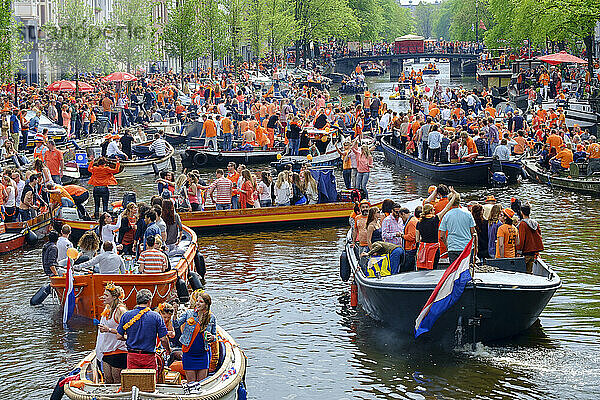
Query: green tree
x=181, y=35
x=255, y=26
x=397, y=21
x=211, y=20
x=442, y=20
x=370, y=18
x=132, y=39
x=424, y=18
x=12, y=48
x=280, y=25
x=321, y=19
x=74, y=43
x=236, y=12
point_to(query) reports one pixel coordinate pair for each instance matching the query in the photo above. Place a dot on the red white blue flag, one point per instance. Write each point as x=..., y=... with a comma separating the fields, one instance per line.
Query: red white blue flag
x=69, y=306
x=448, y=290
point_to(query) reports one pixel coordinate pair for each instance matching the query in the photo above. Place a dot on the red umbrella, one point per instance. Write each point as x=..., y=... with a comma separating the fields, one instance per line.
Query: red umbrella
x=69, y=86
x=561, y=57
x=62, y=86
x=120, y=77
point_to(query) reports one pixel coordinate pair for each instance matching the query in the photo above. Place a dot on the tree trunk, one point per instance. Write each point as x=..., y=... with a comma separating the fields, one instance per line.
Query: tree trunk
x=297, y=48
x=589, y=51
x=181, y=68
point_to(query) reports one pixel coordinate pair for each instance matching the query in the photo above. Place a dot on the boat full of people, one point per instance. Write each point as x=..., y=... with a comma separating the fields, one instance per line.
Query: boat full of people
x=225, y=381
x=480, y=171
x=414, y=272
x=89, y=281
x=580, y=177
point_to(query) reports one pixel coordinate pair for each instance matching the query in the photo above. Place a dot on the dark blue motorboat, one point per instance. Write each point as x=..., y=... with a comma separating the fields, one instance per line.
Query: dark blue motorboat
x=479, y=172
x=500, y=302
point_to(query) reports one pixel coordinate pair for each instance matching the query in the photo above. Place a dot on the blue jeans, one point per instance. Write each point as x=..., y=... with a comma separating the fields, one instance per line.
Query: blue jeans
x=491, y=148
x=56, y=179
x=294, y=146
x=284, y=204
x=223, y=206
x=266, y=203
x=66, y=202
x=361, y=182
x=227, y=142
x=347, y=174
x=235, y=202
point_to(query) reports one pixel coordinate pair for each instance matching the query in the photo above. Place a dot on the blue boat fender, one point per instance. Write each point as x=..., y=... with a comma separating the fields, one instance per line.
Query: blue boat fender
x=200, y=264
x=39, y=296
x=344, y=266
x=182, y=291
x=31, y=238
x=194, y=280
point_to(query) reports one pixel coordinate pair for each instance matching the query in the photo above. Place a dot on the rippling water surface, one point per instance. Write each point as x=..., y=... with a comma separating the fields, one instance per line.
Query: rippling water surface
x=279, y=294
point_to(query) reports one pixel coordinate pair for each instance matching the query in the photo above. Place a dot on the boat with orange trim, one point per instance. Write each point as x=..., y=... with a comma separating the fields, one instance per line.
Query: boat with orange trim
x=15, y=235
x=261, y=218
x=89, y=287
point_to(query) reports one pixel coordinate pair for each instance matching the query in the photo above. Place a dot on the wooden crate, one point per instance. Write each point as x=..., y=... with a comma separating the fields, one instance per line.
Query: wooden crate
x=144, y=379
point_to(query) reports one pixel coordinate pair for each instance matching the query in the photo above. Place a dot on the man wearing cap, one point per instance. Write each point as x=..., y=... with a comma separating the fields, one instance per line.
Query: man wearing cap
x=487, y=206
x=457, y=228
x=54, y=161
x=507, y=238
x=40, y=149
x=562, y=160
x=113, y=151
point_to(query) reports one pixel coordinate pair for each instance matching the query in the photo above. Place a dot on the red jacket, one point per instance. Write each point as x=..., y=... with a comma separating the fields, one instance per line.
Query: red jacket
x=103, y=175
x=530, y=239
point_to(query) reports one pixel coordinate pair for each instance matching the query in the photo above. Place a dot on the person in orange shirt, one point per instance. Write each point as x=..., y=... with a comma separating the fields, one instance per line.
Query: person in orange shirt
x=227, y=128
x=507, y=236
x=521, y=145
x=545, y=80
x=54, y=161
x=555, y=141
x=209, y=131
x=562, y=160
x=103, y=176
x=490, y=110
x=594, y=157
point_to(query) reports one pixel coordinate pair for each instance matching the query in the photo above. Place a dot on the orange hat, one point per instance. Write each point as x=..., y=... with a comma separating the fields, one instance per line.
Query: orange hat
x=431, y=189
x=364, y=201
x=509, y=212
x=490, y=198
x=580, y=147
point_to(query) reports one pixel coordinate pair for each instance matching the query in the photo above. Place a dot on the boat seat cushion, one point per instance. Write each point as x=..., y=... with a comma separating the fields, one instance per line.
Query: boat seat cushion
x=516, y=264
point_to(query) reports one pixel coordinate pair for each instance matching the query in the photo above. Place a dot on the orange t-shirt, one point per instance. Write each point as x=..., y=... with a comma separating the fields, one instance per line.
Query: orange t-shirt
x=53, y=159
x=491, y=111
x=554, y=141
x=471, y=146
x=434, y=112
x=75, y=190
x=210, y=128
x=226, y=125
x=594, y=150
x=566, y=157
x=508, y=234
x=521, y=145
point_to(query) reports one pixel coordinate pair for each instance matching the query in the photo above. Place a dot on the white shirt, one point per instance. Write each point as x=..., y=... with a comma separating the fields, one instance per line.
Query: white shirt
x=160, y=147
x=113, y=149
x=20, y=186
x=11, y=199
x=63, y=244
x=384, y=121
x=283, y=193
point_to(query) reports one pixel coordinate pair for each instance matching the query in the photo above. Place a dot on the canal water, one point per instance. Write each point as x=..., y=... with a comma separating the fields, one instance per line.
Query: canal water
x=279, y=294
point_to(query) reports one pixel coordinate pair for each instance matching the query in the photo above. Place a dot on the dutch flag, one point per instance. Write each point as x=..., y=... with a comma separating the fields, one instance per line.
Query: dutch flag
x=448, y=290
x=69, y=306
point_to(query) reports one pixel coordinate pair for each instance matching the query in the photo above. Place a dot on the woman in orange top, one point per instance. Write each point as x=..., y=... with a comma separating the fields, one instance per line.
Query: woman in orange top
x=103, y=176
x=247, y=190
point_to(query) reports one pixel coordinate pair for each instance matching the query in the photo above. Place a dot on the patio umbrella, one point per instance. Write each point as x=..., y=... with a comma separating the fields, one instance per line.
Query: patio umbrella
x=120, y=77
x=69, y=86
x=561, y=57
x=62, y=86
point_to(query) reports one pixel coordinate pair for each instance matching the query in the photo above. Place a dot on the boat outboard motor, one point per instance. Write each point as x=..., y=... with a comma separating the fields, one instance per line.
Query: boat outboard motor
x=128, y=197
x=182, y=291
x=31, y=238
x=344, y=266
x=194, y=280
x=200, y=265
x=39, y=296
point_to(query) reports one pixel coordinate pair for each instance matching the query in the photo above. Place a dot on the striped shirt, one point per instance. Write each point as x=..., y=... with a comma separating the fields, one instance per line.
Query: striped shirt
x=160, y=147
x=153, y=261
x=223, y=187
